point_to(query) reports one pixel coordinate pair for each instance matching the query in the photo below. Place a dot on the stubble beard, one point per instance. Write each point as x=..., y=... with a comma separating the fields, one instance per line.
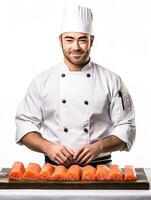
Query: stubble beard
x=83, y=60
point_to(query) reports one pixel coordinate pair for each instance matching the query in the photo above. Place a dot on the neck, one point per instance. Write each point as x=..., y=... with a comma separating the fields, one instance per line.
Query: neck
x=73, y=67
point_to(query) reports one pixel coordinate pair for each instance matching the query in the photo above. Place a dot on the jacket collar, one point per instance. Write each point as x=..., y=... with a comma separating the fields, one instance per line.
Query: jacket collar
x=85, y=68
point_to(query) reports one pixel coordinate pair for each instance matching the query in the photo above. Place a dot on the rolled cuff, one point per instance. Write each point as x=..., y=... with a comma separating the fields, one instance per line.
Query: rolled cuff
x=126, y=133
x=23, y=129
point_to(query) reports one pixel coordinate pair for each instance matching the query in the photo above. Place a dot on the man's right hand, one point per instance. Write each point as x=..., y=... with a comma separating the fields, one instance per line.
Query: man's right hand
x=60, y=154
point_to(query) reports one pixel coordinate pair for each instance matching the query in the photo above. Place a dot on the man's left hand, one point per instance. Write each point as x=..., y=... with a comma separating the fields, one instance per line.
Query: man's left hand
x=87, y=153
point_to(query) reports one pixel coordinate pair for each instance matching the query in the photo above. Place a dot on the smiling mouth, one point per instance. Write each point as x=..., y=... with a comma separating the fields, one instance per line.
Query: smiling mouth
x=76, y=54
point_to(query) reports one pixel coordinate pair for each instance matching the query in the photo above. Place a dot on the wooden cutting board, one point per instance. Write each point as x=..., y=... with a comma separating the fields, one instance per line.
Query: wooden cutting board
x=141, y=183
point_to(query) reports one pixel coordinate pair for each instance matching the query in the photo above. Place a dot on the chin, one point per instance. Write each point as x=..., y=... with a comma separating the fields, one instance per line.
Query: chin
x=77, y=62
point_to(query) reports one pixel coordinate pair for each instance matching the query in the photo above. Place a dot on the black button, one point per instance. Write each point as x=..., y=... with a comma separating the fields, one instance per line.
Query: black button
x=86, y=102
x=85, y=130
x=63, y=101
x=65, y=130
x=63, y=75
x=88, y=75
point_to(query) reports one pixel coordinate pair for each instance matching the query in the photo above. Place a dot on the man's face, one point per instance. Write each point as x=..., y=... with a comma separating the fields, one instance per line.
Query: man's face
x=76, y=47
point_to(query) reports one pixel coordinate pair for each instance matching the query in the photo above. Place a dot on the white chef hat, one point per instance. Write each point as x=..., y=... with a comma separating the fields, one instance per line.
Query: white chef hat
x=77, y=19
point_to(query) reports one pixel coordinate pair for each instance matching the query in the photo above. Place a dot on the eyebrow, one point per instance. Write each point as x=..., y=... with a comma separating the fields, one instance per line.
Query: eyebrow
x=70, y=37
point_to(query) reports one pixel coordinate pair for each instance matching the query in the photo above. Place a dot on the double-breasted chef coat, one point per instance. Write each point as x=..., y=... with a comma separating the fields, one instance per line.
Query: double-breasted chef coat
x=74, y=108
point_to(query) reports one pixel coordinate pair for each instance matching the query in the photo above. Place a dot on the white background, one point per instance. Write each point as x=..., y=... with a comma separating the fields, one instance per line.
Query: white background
x=29, y=45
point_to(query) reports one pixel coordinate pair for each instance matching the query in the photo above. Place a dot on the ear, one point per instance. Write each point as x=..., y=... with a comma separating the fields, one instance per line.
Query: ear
x=92, y=39
x=60, y=40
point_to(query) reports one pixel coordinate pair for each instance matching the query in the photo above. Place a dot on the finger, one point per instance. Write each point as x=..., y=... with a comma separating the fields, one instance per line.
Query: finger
x=77, y=153
x=88, y=161
x=70, y=151
x=54, y=160
x=58, y=160
x=64, y=158
x=82, y=155
x=68, y=155
x=85, y=159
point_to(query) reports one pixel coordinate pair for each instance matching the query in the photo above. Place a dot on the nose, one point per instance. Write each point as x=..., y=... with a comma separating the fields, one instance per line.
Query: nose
x=76, y=45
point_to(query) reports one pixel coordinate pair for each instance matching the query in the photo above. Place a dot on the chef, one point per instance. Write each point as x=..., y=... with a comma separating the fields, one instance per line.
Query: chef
x=77, y=112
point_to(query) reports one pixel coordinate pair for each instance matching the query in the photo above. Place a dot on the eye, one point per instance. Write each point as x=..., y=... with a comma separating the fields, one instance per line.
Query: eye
x=69, y=40
x=83, y=41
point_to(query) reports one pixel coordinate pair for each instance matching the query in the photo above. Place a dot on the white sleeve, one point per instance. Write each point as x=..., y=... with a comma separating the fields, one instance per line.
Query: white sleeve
x=29, y=116
x=122, y=114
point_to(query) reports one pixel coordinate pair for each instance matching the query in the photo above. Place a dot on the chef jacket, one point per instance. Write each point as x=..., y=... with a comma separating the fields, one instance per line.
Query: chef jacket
x=74, y=108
